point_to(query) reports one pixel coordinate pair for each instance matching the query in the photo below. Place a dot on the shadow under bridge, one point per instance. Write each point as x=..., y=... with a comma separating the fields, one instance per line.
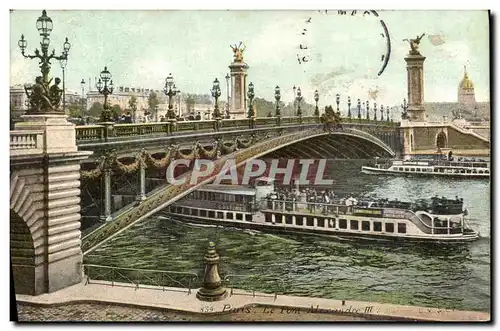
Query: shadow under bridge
x=168, y=194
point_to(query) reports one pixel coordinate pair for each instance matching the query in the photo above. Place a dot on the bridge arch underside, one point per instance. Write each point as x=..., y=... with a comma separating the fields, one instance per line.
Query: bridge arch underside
x=332, y=146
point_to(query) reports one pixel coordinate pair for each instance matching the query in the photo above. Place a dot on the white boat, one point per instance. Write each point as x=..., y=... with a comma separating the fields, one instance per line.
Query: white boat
x=442, y=168
x=432, y=220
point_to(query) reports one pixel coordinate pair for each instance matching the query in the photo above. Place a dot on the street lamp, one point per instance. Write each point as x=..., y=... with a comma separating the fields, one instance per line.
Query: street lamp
x=367, y=110
x=381, y=112
x=277, y=96
x=294, y=99
x=44, y=99
x=316, y=99
x=338, y=102
x=405, y=107
x=250, y=95
x=64, y=63
x=299, y=99
x=179, y=101
x=374, y=111
x=359, y=109
x=349, y=107
x=82, y=84
x=105, y=90
x=216, y=94
x=170, y=91
x=227, y=85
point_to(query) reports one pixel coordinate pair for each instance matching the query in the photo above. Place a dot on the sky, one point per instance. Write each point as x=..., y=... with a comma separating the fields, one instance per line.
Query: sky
x=140, y=49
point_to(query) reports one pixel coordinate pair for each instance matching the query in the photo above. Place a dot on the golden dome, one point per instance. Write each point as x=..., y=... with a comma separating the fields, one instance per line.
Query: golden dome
x=466, y=83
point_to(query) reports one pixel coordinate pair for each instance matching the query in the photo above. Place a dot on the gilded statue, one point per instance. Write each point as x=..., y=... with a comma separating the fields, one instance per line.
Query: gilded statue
x=414, y=43
x=39, y=96
x=238, y=52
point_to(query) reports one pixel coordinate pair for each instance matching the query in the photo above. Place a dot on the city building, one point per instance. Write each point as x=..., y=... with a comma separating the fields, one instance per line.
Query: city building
x=18, y=102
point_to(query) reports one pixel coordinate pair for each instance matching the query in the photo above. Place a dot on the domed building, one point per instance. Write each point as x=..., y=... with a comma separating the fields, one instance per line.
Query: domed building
x=466, y=94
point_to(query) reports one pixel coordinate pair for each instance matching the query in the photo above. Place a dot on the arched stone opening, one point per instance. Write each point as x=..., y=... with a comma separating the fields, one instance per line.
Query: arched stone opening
x=22, y=256
x=441, y=140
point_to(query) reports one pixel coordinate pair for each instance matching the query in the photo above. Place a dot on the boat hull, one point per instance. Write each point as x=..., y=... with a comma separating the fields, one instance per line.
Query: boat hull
x=378, y=171
x=285, y=228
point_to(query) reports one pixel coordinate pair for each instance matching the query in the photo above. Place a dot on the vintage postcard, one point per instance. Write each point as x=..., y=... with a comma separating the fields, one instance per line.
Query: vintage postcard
x=309, y=165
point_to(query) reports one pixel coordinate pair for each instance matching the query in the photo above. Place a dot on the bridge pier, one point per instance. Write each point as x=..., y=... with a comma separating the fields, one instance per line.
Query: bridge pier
x=45, y=237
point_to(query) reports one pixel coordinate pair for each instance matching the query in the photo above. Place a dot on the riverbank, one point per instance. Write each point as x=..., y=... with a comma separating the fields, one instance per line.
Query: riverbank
x=125, y=302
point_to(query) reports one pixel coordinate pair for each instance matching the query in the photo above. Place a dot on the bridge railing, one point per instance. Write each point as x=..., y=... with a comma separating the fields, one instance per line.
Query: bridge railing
x=107, y=131
x=24, y=142
x=117, y=276
x=245, y=285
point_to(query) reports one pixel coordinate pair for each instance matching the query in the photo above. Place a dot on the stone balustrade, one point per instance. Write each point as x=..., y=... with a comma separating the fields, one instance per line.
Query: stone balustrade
x=24, y=142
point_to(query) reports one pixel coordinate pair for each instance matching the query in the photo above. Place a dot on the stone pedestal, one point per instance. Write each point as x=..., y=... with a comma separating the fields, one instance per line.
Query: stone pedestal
x=415, y=77
x=212, y=289
x=45, y=237
x=238, y=90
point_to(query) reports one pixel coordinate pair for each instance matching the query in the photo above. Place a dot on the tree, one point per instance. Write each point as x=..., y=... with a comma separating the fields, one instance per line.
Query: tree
x=74, y=109
x=96, y=109
x=116, y=111
x=190, y=102
x=153, y=100
x=132, y=103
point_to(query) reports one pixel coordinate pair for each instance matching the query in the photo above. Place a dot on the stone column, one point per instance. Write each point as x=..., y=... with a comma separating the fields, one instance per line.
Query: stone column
x=45, y=237
x=415, y=77
x=212, y=289
x=142, y=182
x=106, y=195
x=238, y=89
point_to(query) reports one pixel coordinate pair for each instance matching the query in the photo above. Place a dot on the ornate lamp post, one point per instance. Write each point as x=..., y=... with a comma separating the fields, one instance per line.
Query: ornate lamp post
x=374, y=111
x=349, y=107
x=216, y=94
x=170, y=91
x=359, y=109
x=294, y=100
x=381, y=112
x=82, y=84
x=251, y=113
x=367, y=110
x=277, y=96
x=338, y=102
x=316, y=99
x=44, y=99
x=228, y=109
x=404, y=105
x=299, y=99
x=105, y=89
x=64, y=63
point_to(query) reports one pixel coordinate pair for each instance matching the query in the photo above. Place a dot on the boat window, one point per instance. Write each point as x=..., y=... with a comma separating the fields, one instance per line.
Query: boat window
x=239, y=216
x=211, y=214
x=401, y=228
x=332, y=223
x=288, y=219
x=486, y=171
x=249, y=218
x=194, y=212
x=413, y=169
x=418, y=169
x=365, y=226
x=468, y=171
x=435, y=170
x=299, y=220
x=354, y=225
x=321, y=222
x=310, y=221
x=480, y=171
x=342, y=223
x=220, y=215
x=377, y=226
x=389, y=227
x=269, y=217
x=229, y=216
x=400, y=168
x=406, y=169
x=203, y=213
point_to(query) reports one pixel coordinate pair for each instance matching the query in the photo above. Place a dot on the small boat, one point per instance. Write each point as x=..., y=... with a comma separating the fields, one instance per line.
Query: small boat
x=442, y=168
x=435, y=219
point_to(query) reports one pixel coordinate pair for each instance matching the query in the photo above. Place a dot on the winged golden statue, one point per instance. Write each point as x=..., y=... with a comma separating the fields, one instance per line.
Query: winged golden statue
x=238, y=51
x=414, y=43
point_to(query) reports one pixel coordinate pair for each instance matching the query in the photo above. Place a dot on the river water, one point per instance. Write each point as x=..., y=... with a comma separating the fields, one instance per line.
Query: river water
x=454, y=277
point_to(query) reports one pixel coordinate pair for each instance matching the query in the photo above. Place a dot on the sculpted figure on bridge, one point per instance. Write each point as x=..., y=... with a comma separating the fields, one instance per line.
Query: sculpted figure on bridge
x=39, y=96
x=414, y=43
x=238, y=51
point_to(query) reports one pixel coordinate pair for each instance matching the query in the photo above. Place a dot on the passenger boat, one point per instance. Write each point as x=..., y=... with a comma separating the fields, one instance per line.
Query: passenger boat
x=442, y=168
x=258, y=207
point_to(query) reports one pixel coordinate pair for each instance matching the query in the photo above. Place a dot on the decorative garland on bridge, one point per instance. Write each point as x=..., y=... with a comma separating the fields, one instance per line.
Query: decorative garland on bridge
x=191, y=155
x=163, y=162
x=209, y=154
x=94, y=173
